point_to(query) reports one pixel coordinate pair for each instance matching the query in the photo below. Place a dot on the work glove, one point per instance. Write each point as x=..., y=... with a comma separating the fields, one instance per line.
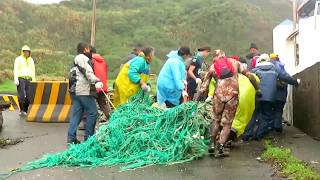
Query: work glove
x=99, y=85
x=185, y=94
x=16, y=82
x=209, y=99
x=198, y=81
x=185, y=82
x=145, y=88
x=298, y=81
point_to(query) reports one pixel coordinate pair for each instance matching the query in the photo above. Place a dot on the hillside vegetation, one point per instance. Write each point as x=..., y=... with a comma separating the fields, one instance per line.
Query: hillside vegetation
x=53, y=31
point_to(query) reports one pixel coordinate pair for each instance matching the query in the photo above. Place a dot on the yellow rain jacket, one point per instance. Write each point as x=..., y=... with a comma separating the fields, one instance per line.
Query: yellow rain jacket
x=23, y=66
x=246, y=104
x=127, y=82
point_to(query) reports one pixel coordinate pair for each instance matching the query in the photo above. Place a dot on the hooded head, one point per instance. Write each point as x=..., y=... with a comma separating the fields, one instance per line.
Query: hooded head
x=263, y=58
x=26, y=51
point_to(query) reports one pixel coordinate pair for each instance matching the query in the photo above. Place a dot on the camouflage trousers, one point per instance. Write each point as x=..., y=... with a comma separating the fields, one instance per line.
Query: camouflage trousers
x=224, y=108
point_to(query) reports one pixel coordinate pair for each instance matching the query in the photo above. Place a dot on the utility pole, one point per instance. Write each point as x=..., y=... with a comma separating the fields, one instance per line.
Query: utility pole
x=93, y=25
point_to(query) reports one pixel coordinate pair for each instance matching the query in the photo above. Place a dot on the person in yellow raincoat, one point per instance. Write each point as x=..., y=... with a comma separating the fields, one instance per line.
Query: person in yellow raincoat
x=132, y=77
x=24, y=73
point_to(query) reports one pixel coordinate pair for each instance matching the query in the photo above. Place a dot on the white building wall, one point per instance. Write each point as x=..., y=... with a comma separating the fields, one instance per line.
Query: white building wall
x=309, y=42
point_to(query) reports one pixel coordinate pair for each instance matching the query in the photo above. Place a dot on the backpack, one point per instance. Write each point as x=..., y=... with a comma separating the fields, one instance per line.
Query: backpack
x=73, y=78
x=223, y=68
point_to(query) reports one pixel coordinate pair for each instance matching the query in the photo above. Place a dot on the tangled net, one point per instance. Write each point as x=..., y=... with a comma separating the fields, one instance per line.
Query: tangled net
x=137, y=135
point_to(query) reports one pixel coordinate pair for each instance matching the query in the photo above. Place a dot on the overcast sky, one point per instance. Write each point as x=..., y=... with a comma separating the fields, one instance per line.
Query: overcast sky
x=43, y=1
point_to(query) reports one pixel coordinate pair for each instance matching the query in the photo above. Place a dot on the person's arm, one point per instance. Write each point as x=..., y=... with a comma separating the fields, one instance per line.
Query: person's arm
x=15, y=70
x=190, y=71
x=284, y=76
x=207, y=79
x=135, y=67
x=33, y=70
x=249, y=75
x=178, y=76
x=82, y=63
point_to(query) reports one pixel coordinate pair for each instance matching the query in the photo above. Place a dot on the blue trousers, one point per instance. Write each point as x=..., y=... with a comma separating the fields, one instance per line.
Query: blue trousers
x=81, y=104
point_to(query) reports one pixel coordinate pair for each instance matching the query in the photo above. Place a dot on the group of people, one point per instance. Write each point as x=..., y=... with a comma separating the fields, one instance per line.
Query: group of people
x=184, y=76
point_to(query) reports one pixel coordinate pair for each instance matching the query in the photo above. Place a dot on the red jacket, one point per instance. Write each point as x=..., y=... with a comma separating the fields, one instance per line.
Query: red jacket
x=100, y=70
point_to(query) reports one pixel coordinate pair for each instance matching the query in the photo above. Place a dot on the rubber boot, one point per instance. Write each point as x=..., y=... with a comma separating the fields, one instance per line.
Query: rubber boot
x=221, y=151
x=212, y=148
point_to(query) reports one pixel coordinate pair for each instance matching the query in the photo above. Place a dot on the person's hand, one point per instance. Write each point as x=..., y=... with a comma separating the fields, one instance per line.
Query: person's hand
x=198, y=81
x=99, y=85
x=259, y=94
x=145, y=87
x=16, y=82
x=185, y=94
x=209, y=99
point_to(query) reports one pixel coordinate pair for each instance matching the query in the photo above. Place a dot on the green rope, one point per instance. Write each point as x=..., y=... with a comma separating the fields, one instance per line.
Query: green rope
x=137, y=135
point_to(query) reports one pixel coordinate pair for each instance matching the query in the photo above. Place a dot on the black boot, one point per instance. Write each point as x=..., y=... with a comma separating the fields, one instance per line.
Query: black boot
x=221, y=151
x=212, y=148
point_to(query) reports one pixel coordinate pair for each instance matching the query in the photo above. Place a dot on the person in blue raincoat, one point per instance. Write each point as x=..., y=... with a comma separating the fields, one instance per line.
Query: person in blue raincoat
x=172, y=78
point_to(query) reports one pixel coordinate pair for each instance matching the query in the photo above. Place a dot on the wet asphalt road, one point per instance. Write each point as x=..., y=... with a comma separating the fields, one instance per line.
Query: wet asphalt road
x=40, y=139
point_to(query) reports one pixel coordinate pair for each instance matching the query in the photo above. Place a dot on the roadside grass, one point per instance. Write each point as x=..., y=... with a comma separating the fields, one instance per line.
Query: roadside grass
x=8, y=87
x=286, y=164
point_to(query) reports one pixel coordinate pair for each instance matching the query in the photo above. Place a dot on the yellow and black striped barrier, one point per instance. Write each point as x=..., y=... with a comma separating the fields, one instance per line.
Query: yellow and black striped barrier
x=50, y=102
x=13, y=100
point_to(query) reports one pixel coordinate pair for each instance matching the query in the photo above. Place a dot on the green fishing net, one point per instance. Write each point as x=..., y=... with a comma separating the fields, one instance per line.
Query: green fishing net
x=137, y=135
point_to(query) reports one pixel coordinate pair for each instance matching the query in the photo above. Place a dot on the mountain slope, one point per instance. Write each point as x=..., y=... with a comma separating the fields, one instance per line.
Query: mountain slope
x=54, y=30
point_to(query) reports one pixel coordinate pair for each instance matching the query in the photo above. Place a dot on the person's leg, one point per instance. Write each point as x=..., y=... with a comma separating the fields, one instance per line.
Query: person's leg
x=27, y=95
x=21, y=94
x=228, y=115
x=266, y=118
x=76, y=114
x=249, y=131
x=192, y=86
x=103, y=105
x=169, y=104
x=215, y=125
x=89, y=104
x=278, y=111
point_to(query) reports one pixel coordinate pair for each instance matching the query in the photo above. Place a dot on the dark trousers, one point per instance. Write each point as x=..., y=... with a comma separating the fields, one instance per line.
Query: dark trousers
x=170, y=105
x=266, y=118
x=250, y=131
x=103, y=104
x=24, y=94
x=192, y=88
x=277, y=112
